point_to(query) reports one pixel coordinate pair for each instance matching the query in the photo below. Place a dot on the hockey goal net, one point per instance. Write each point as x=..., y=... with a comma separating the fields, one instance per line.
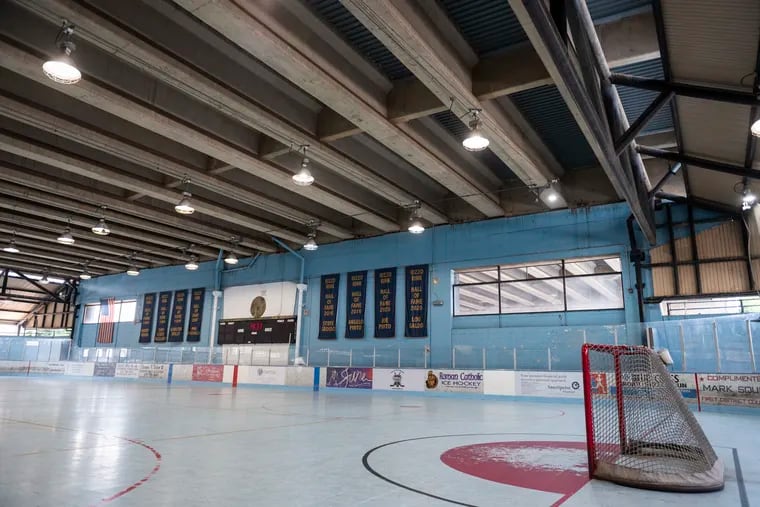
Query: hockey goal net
x=639, y=430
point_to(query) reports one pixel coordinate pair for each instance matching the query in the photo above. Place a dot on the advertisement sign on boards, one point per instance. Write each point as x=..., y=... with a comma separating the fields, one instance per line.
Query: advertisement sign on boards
x=553, y=384
x=398, y=379
x=454, y=381
x=351, y=378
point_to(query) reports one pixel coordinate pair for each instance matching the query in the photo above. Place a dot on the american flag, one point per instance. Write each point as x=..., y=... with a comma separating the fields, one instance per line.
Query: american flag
x=105, y=321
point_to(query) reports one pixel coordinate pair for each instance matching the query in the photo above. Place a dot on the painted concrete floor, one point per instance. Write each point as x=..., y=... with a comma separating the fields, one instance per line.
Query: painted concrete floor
x=87, y=442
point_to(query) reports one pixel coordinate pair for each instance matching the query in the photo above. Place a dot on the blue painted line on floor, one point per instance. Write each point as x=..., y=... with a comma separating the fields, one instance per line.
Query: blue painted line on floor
x=316, y=378
x=169, y=375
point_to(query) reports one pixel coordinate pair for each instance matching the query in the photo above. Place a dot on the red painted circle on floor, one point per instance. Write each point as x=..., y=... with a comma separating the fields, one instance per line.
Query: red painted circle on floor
x=553, y=467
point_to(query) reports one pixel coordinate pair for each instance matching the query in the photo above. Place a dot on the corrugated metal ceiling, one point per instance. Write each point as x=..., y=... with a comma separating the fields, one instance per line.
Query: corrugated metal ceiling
x=635, y=100
x=361, y=39
x=490, y=25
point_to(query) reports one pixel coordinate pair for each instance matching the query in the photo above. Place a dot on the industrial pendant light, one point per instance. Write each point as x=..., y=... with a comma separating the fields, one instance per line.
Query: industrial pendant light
x=192, y=264
x=184, y=206
x=231, y=259
x=304, y=178
x=62, y=69
x=311, y=243
x=66, y=238
x=85, y=274
x=132, y=270
x=475, y=140
x=101, y=228
x=756, y=128
x=415, y=223
x=11, y=246
x=44, y=280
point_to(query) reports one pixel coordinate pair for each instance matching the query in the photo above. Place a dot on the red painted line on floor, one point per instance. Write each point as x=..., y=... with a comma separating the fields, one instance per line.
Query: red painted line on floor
x=235, y=376
x=141, y=481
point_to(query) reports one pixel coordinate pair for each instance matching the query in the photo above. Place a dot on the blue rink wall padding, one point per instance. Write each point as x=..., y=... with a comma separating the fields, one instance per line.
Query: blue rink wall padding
x=731, y=393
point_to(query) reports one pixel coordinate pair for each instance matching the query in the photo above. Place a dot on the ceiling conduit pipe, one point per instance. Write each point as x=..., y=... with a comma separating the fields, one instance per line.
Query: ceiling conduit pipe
x=637, y=257
x=215, y=305
x=300, y=289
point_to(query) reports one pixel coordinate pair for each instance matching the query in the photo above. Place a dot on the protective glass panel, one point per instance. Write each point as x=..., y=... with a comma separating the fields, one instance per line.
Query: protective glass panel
x=476, y=299
x=479, y=275
x=91, y=314
x=594, y=292
x=532, y=296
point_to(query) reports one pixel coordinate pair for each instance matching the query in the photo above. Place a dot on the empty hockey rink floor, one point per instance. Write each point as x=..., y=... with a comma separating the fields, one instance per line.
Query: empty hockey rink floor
x=87, y=442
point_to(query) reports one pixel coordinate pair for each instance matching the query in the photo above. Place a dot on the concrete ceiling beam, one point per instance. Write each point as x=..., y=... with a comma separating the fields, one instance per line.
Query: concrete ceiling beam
x=32, y=235
x=107, y=100
x=266, y=32
x=151, y=241
x=411, y=36
x=77, y=165
x=64, y=197
x=109, y=37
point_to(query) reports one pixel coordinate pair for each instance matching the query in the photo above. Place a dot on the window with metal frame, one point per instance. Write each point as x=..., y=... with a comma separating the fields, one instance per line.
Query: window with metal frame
x=590, y=283
x=124, y=311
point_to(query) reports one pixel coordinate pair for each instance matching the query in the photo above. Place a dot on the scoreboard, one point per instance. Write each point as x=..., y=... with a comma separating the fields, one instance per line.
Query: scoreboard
x=257, y=331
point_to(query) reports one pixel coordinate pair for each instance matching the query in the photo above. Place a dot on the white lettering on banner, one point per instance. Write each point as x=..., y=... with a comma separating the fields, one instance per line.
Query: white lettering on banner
x=127, y=370
x=550, y=384
x=454, y=381
x=725, y=389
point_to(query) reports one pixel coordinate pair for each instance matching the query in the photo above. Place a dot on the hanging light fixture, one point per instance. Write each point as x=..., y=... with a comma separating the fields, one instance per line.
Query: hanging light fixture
x=66, y=238
x=231, y=258
x=132, y=270
x=101, y=228
x=11, y=246
x=44, y=280
x=749, y=198
x=415, y=223
x=756, y=128
x=475, y=140
x=85, y=274
x=184, y=206
x=304, y=178
x=311, y=243
x=192, y=264
x=62, y=68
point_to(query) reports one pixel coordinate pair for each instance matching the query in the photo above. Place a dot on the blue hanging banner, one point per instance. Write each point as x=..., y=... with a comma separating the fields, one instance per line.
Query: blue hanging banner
x=177, y=329
x=356, y=302
x=148, y=310
x=162, y=323
x=416, y=301
x=196, y=315
x=328, y=306
x=385, y=303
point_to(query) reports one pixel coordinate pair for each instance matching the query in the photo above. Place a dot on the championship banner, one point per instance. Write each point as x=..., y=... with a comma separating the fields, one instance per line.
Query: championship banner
x=416, y=301
x=196, y=315
x=148, y=310
x=385, y=303
x=177, y=328
x=356, y=301
x=162, y=323
x=328, y=304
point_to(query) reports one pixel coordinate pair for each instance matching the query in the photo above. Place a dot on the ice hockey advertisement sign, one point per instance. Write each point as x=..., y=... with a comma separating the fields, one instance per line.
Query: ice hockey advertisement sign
x=741, y=390
x=454, y=381
x=398, y=379
x=550, y=384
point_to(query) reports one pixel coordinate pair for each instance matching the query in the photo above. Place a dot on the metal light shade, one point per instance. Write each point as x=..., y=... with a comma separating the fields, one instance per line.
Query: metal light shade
x=44, y=280
x=756, y=128
x=310, y=245
x=62, y=69
x=416, y=227
x=133, y=271
x=85, y=275
x=101, y=229
x=66, y=238
x=11, y=247
x=475, y=140
x=184, y=207
x=303, y=178
x=231, y=259
x=192, y=265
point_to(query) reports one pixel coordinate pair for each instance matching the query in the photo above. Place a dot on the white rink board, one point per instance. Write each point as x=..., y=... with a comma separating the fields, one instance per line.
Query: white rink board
x=263, y=375
x=45, y=368
x=299, y=376
x=153, y=371
x=80, y=369
x=398, y=379
x=182, y=372
x=127, y=370
x=501, y=383
x=550, y=384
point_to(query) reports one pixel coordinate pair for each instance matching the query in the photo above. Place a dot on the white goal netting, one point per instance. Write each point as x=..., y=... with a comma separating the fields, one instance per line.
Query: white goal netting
x=640, y=431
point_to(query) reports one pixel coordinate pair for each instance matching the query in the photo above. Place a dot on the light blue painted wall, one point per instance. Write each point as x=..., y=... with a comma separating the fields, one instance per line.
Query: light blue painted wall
x=555, y=235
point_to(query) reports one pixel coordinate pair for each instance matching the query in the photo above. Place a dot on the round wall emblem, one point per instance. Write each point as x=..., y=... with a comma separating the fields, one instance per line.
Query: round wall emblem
x=258, y=307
